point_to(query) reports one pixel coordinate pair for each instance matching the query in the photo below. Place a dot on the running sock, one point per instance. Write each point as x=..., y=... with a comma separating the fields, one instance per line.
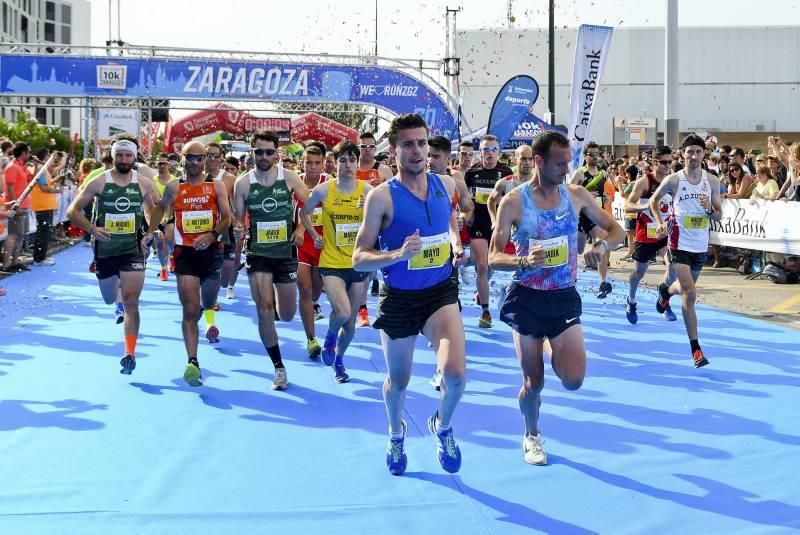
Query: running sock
x=193, y=360
x=130, y=344
x=274, y=353
x=485, y=307
x=312, y=337
x=339, y=360
x=631, y=301
x=695, y=345
x=394, y=435
x=440, y=428
x=208, y=314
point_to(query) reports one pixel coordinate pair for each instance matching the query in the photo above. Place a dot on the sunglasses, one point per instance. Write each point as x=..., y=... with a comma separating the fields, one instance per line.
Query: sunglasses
x=593, y=154
x=264, y=152
x=213, y=155
x=195, y=157
x=490, y=149
x=367, y=146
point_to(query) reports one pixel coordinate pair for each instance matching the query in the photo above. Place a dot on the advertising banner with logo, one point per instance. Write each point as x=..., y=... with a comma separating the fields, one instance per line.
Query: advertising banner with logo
x=591, y=53
x=57, y=75
x=510, y=105
x=113, y=121
x=314, y=126
x=528, y=129
x=766, y=226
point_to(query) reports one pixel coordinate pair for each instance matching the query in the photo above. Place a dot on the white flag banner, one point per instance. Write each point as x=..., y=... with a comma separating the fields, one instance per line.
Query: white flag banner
x=591, y=53
x=759, y=225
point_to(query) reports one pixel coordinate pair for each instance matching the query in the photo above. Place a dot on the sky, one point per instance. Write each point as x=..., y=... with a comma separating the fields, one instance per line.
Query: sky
x=406, y=29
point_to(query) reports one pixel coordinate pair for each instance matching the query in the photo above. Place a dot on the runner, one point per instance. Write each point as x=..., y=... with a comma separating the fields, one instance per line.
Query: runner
x=309, y=281
x=591, y=177
x=695, y=198
x=541, y=218
x=231, y=166
x=646, y=245
x=342, y=201
x=265, y=196
x=465, y=155
x=164, y=235
x=412, y=216
x=122, y=196
x=202, y=214
x=214, y=167
x=481, y=179
x=375, y=173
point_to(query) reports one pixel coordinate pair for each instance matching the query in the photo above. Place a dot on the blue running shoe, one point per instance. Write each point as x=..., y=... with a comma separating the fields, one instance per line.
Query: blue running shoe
x=630, y=312
x=447, y=450
x=329, y=349
x=340, y=374
x=128, y=364
x=396, y=458
x=669, y=315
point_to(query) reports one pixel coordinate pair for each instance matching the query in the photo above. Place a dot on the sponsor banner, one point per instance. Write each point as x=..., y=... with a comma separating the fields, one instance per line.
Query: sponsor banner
x=58, y=75
x=591, y=53
x=510, y=105
x=765, y=226
x=313, y=126
x=113, y=121
x=528, y=129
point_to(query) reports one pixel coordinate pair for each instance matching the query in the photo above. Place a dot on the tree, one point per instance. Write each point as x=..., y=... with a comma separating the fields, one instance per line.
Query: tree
x=38, y=136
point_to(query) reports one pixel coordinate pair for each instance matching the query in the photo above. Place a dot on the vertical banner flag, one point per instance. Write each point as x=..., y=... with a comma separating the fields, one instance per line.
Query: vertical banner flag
x=591, y=53
x=510, y=105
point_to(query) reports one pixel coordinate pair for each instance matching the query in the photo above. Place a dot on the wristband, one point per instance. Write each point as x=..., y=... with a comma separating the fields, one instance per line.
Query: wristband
x=604, y=243
x=215, y=233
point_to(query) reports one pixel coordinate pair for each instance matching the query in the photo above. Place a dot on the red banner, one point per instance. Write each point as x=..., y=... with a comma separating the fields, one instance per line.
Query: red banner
x=313, y=126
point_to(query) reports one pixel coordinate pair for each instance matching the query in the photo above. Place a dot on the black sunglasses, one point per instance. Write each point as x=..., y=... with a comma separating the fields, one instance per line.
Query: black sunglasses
x=264, y=152
x=195, y=157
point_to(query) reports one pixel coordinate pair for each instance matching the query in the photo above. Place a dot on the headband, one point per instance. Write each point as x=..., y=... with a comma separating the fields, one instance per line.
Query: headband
x=123, y=145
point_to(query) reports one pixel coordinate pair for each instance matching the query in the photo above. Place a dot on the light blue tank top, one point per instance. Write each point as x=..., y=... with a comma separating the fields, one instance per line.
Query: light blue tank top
x=557, y=231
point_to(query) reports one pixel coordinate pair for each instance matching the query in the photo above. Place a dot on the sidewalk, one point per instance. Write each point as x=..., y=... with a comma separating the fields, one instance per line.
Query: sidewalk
x=727, y=289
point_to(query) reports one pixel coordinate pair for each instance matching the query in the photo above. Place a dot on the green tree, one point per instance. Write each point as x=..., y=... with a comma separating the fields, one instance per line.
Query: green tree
x=29, y=130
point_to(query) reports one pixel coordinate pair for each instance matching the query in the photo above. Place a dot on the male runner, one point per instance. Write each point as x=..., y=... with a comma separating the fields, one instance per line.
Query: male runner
x=481, y=179
x=646, y=245
x=265, y=195
x=309, y=282
x=214, y=167
x=591, y=177
x=202, y=214
x=465, y=154
x=695, y=198
x=541, y=218
x=122, y=197
x=375, y=173
x=412, y=216
x=342, y=201
x=163, y=236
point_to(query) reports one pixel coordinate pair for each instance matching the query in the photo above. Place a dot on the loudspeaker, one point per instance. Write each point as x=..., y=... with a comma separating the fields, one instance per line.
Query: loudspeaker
x=160, y=115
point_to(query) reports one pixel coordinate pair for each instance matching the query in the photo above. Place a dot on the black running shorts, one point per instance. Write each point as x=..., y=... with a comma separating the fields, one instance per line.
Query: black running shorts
x=111, y=266
x=283, y=270
x=695, y=261
x=539, y=313
x=403, y=313
x=645, y=252
x=205, y=264
x=349, y=275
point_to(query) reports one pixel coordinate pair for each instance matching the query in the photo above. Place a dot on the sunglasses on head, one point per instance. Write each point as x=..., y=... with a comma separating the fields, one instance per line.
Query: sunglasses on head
x=195, y=157
x=489, y=149
x=367, y=146
x=264, y=152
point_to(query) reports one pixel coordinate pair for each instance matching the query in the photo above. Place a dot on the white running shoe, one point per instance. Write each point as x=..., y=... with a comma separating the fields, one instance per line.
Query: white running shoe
x=534, y=452
x=281, y=381
x=229, y=293
x=436, y=380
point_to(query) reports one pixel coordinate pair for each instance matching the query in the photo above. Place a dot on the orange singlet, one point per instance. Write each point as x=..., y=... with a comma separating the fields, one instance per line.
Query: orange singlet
x=196, y=212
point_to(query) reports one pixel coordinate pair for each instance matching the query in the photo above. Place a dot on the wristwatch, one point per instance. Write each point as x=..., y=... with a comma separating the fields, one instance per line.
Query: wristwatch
x=215, y=233
x=604, y=243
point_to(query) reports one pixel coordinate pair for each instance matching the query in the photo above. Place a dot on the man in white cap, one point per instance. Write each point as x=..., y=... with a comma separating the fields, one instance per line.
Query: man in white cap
x=123, y=195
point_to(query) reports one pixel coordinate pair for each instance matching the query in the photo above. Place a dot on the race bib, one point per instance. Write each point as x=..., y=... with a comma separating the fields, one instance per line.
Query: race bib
x=435, y=252
x=482, y=195
x=651, y=231
x=695, y=221
x=316, y=217
x=346, y=234
x=599, y=201
x=556, y=250
x=120, y=223
x=271, y=231
x=197, y=221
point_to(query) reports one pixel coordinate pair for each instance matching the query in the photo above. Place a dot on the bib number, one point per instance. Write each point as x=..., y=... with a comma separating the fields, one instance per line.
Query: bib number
x=599, y=201
x=316, y=217
x=651, y=231
x=346, y=234
x=197, y=221
x=556, y=250
x=120, y=223
x=270, y=232
x=695, y=221
x=435, y=252
x=482, y=195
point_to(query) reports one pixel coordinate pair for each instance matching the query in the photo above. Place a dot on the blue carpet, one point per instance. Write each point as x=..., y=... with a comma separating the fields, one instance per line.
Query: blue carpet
x=649, y=444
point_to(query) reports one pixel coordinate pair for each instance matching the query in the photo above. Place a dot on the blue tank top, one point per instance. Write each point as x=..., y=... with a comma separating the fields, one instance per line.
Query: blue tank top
x=557, y=231
x=432, y=217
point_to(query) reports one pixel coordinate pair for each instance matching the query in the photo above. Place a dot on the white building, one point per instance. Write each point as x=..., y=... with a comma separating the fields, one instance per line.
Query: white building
x=61, y=22
x=732, y=79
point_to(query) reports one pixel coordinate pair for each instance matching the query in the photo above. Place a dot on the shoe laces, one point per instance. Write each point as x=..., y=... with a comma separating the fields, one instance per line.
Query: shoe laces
x=396, y=449
x=534, y=443
x=698, y=355
x=448, y=443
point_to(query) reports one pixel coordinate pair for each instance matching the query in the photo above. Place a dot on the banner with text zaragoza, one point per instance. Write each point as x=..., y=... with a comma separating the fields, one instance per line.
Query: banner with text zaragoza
x=766, y=226
x=591, y=53
x=54, y=75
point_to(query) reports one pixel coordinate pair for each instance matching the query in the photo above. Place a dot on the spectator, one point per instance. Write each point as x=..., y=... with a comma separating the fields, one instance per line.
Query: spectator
x=737, y=156
x=766, y=188
x=17, y=176
x=741, y=185
x=5, y=158
x=791, y=188
x=44, y=201
x=777, y=169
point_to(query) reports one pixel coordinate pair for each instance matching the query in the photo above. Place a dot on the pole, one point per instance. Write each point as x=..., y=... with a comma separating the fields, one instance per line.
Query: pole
x=86, y=129
x=551, y=64
x=375, y=118
x=671, y=111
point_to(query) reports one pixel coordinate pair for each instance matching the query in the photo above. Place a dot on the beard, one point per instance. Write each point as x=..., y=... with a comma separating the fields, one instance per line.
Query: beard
x=263, y=165
x=123, y=168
